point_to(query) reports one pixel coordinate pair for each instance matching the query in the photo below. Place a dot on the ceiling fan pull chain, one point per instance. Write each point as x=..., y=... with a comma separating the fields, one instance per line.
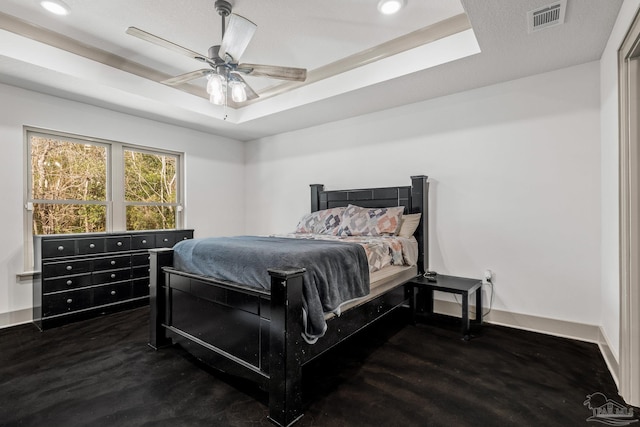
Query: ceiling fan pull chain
x=226, y=97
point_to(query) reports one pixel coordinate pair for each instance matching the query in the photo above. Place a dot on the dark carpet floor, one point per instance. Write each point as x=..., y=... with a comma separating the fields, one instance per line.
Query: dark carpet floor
x=101, y=373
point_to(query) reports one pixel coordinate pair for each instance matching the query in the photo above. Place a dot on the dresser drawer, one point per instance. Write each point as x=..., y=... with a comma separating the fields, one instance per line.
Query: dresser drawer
x=66, y=282
x=111, y=293
x=140, y=288
x=165, y=240
x=65, y=302
x=139, y=272
x=143, y=241
x=111, y=276
x=140, y=259
x=57, y=248
x=65, y=268
x=119, y=243
x=181, y=235
x=111, y=262
x=91, y=245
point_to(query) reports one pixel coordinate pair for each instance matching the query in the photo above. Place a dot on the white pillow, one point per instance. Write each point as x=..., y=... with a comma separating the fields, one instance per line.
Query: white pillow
x=409, y=225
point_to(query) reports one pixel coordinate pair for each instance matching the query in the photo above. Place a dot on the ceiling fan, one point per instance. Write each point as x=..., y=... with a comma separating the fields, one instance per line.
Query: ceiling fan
x=225, y=72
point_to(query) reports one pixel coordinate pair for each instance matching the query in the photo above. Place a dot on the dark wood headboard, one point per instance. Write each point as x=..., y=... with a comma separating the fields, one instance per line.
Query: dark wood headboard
x=414, y=198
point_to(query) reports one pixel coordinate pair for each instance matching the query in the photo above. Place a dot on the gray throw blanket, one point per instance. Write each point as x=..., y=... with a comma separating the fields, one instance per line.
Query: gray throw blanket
x=337, y=272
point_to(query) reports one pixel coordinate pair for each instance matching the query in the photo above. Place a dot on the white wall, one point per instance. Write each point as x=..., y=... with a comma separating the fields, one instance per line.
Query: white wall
x=610, y=294
x=214, y=174
x=515, y=183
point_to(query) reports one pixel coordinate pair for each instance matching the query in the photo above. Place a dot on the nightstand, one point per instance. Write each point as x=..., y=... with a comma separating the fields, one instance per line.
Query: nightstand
x=422, y=297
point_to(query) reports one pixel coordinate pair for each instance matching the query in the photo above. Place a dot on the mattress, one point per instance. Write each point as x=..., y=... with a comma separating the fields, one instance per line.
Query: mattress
x=381, y=281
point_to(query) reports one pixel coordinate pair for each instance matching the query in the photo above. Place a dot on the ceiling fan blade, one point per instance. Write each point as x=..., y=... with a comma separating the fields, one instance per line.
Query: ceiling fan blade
x=237, y=37
x=158, y=41
x=183, y=78
x=273, y=71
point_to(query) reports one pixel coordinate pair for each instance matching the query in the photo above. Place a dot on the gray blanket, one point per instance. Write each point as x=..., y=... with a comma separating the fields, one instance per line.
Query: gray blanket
x=337, y=272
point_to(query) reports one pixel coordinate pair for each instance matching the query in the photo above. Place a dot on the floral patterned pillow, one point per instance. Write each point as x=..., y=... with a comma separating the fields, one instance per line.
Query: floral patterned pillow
x=327, y=221
x=357, y=221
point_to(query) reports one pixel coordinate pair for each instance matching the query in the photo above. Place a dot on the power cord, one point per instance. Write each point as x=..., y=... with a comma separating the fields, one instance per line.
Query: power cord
x=488, y=282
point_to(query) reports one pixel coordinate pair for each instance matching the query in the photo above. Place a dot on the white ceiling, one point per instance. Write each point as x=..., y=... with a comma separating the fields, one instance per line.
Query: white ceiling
x=353, y=70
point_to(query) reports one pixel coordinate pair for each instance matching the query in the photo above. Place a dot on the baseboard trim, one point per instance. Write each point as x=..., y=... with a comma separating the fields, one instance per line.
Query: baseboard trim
x=17, y=317
x=560, y=328
x=609, y=357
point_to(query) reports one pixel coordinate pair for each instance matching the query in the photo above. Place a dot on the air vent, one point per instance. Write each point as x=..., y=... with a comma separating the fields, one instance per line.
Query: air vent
x=546, y=16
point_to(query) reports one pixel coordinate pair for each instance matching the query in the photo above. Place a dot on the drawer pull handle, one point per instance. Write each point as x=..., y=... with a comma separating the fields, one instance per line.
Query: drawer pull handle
x=113, y=292
x=165, y=240
x=69, y=268
x=61, y=248
x=113, y=262
x=69, y=301
x=92, y=246
x=149, y=258
x=113, y=275
x=144, y=241
x=119, y=243
x=69, y=282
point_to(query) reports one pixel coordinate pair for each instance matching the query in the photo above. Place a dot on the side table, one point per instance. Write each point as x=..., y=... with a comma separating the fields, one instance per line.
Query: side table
x=452, y=284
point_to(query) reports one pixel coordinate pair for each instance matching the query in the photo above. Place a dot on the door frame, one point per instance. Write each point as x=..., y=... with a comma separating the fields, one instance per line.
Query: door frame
x=629, y=176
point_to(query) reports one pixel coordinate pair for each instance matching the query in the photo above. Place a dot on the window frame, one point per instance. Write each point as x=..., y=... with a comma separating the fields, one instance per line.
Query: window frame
x=178, y=205
x=115, y=176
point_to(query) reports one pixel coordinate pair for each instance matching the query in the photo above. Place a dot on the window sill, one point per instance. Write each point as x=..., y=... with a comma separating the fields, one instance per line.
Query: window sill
x=26, y=275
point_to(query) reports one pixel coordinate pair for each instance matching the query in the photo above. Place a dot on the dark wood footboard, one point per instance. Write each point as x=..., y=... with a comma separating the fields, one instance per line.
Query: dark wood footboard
x=240, y=330
x=257, y=334
x=159, y=258
x=286, y=346
x=250, y=333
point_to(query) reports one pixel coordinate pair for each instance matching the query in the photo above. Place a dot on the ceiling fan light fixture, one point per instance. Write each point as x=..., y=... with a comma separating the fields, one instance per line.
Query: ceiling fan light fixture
x=217, y=98
x=238, y=93
x=215, y=83
x=216, y=88
x=57, y=7
x=389, y=7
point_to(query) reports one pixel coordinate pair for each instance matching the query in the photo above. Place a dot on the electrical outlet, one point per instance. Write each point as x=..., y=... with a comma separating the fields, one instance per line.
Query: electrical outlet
x=488, y=277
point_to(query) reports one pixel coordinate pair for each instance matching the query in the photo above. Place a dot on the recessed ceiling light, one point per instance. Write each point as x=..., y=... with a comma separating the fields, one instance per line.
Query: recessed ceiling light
x=56, y=6
x=389, y=7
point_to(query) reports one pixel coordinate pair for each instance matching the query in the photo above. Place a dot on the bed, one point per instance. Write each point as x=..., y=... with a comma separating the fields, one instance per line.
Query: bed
x=259, y=334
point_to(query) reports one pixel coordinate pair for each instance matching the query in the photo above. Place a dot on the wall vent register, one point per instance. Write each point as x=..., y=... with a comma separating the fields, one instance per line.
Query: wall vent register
x=546, y=16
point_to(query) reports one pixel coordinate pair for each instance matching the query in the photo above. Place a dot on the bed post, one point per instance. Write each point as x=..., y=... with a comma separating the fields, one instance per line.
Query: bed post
x=315, y=196
x=285, y=366
x=420, y=203
x=158, y=294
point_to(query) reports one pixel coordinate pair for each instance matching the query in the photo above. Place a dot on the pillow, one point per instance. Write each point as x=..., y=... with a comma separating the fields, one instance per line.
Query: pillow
x=327, y=221
x=357, y=221
x=409, y=225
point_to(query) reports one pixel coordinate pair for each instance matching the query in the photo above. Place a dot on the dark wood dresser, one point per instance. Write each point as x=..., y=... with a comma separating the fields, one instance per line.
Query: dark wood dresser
x=85, y=275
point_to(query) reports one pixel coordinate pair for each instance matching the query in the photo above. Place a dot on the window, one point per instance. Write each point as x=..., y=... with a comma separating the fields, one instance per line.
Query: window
x=150, y=190
x=68, y=185
x=85, y=185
